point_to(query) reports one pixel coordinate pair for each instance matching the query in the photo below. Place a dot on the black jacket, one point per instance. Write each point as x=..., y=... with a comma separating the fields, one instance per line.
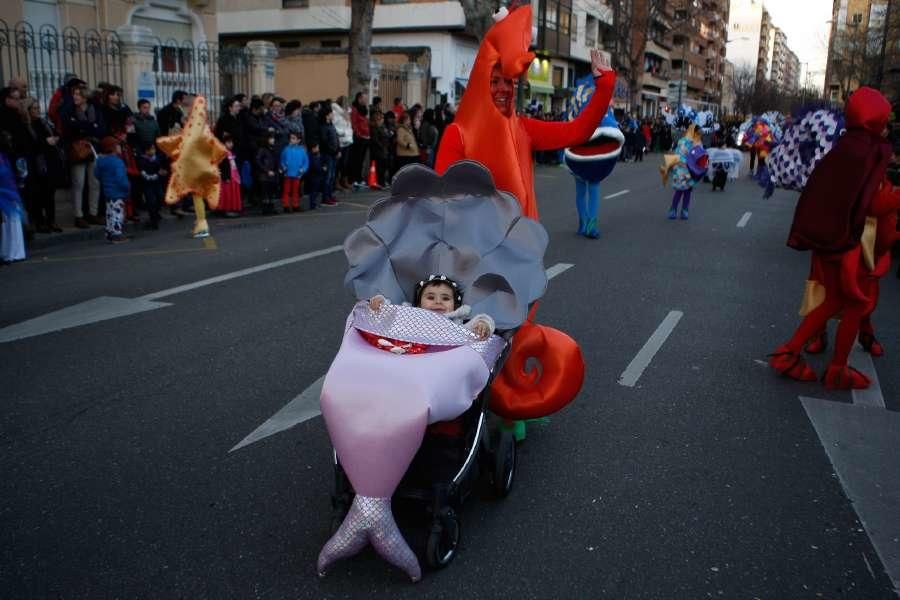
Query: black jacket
x=266, y=161
x=329, y=144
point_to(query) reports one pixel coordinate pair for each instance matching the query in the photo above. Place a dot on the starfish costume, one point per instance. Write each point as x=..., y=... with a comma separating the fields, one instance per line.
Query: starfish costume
x=196, y=154
x=840, y=215
x=504, y=144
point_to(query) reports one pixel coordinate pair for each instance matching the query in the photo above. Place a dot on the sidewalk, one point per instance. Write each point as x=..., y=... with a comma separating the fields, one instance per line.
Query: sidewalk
x=65, y=218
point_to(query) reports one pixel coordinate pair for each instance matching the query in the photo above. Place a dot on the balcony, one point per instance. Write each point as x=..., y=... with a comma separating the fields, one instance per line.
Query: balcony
x=655, y=49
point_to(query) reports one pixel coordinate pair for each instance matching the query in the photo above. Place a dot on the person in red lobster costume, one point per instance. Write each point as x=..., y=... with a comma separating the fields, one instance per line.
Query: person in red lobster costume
x=846, y=215
x=488, y=130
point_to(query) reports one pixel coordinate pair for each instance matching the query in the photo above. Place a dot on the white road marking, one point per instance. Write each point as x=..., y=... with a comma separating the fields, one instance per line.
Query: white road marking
x=302, y=408
x=871, y=396
x=305, y=406
x=92, y=311
x=108, y=307
x=617, y=194
x=557, y=269
x=641, y=361
x=743, y=222
x=241, y=273
x=861, y=443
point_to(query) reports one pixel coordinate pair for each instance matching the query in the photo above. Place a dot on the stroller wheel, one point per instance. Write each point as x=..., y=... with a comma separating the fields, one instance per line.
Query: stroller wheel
x=443, y=539
x=504, y=464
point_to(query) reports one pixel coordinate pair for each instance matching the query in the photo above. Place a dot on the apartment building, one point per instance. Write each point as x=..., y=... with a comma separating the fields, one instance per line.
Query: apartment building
x=863, y=48
x=698, y=54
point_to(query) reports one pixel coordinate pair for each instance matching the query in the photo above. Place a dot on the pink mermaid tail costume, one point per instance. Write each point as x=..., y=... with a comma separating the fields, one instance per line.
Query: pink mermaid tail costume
x=377, y=404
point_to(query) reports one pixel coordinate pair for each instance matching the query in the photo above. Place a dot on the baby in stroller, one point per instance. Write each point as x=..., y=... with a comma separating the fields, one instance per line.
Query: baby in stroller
x=442, y=295
x=377, y=405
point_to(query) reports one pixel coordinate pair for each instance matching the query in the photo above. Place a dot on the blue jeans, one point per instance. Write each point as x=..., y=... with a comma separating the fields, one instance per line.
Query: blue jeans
x=330, y=164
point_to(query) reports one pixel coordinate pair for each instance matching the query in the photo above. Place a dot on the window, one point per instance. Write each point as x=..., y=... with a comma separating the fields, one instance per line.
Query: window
x=294, y=3
x=857, y=19
x=550, y=15
x=331, y=43
x=558, y=74
x=564, y=18
x=590, y=32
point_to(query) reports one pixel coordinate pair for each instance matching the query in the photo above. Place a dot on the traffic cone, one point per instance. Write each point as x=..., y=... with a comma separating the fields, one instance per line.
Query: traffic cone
x=373, y=177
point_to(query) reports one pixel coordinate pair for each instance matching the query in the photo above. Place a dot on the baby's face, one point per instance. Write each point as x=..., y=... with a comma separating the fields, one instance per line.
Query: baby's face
x=437, y=297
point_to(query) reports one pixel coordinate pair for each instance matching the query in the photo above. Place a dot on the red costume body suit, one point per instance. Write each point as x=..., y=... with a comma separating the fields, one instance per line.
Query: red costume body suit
x=842, y=195
x=504, y=145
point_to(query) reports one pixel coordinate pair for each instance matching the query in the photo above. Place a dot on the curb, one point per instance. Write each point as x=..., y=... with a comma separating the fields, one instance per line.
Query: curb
x=43, y=241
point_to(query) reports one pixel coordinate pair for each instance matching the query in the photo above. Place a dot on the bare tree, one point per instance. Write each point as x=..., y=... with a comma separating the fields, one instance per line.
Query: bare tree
x=633, y=25
x=362, y=12
x=744, y=87
x=478, y=15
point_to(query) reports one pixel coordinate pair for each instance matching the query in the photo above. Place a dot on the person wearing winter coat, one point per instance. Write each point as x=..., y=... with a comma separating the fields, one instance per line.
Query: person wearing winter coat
x=407, y=147
x=83, y=127
x=110, y=172
x=146, y=129
x=342, y=125
x=267, y=175
x=310, y=118
x=379, y=146
x=152, y=173
x=276, y=125
x=293, y=117
x=428, y=136
x=294, y=164
x=47, y=169
x=315, y=177
x=331, y=153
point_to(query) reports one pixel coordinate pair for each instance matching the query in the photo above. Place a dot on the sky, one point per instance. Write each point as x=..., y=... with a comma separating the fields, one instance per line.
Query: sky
x=804, y=22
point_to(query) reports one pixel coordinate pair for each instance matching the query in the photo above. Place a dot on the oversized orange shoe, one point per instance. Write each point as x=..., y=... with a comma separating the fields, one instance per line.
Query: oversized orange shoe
x=818, y=344
x=870, y=344
x=791, y=364
x=845, y=377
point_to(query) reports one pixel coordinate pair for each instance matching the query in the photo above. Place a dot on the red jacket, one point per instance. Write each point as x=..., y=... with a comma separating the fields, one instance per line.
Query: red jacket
x=360, y=124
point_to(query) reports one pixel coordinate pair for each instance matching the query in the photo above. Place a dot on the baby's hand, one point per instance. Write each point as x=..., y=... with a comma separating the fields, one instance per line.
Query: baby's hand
x=376, y=303
x=481, y=329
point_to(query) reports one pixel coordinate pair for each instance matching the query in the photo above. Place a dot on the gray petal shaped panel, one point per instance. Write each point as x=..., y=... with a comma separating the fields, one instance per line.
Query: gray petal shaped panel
x=457, y=224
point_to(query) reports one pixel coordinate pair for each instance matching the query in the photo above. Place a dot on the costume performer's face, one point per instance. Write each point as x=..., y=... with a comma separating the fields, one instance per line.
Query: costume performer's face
x=437, y=297
x=502, y=91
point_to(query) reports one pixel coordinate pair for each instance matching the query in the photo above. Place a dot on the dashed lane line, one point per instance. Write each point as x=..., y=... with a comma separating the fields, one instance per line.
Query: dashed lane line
x=743, y=222
x=644, y=357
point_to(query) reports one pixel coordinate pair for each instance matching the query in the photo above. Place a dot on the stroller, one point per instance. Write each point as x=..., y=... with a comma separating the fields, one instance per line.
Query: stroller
x=461, y=226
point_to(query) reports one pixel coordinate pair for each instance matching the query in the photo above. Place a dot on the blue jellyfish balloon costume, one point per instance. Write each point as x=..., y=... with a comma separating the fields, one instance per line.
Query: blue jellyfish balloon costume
x=593, y=161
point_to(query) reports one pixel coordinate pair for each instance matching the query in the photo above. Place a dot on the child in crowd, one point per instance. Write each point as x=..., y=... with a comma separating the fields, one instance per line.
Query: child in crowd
x=110, y=172
x=294, y=164
x=266, y=175
x=12, y=210
x=316, y=176
x=230, y=188
x=442, y=295
x=152, y=175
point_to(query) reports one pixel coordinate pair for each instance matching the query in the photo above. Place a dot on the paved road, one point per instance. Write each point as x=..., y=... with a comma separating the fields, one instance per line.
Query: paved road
x=707, y=477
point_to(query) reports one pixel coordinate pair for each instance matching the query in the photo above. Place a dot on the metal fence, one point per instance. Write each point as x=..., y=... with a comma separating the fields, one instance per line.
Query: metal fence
x=208, y=69
x=44, y=56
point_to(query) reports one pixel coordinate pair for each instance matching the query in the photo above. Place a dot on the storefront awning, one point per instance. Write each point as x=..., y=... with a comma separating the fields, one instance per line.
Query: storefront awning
x=539, y=87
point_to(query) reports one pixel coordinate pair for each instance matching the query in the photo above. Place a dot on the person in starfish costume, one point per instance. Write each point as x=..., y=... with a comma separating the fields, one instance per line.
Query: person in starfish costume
x=196, y=154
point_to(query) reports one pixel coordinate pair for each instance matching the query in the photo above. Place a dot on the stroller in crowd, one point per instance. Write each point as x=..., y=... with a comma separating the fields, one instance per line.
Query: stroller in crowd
x=406, y=400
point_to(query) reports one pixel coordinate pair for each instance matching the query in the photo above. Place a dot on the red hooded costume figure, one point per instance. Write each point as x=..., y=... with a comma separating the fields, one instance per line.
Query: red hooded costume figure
x=838, y=216
x=503, y=142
